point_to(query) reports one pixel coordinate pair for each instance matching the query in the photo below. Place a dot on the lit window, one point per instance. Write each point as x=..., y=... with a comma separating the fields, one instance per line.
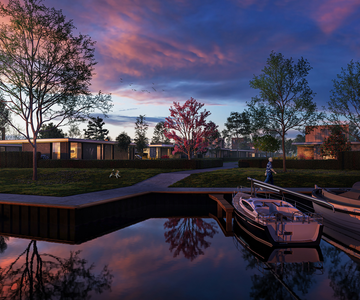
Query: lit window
x=75, y=150
x=56, y=151
x=98, y=152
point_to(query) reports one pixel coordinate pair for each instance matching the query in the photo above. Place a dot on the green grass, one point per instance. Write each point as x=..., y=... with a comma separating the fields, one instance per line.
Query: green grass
x=292, y=178
x=66, y=182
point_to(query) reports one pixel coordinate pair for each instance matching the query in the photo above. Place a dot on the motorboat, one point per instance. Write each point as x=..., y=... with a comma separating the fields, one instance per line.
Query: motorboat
x=338, y=205
x=276, y=222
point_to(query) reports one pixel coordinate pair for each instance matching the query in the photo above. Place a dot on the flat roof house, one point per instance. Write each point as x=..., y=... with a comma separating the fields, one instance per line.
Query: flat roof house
x=310, y=149
x=69, y=148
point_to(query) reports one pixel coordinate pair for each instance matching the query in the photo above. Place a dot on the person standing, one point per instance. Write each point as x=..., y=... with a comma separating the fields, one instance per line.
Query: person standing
x=269, y=172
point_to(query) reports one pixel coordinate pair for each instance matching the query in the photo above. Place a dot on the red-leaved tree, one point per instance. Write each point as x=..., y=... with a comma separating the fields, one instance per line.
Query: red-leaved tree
x=187, y=126
x=335, y=143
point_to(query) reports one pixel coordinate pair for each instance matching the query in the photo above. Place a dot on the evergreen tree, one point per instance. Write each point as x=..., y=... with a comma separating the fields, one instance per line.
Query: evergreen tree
x=141, y=127
x=49, y=131
x=159, y=136
x=95, y=129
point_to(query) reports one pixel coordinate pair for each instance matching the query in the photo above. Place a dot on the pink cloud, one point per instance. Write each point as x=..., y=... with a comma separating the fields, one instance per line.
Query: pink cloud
x=331, y=14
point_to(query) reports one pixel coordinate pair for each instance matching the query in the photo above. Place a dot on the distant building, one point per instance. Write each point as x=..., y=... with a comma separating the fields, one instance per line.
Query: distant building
x=310, y=149
x=69, y=148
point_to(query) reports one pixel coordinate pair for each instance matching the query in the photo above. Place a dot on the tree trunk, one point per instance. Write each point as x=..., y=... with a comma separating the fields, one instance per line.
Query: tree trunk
x=34, y=161
x=284, y=154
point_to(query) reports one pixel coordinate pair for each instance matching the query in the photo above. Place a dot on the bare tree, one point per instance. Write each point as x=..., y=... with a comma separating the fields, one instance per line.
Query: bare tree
x=45, y=70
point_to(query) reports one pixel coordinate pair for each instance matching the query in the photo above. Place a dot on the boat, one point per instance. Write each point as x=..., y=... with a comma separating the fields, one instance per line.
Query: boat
x=275, y=222
x=277, y=255
x=284, y=263
x=338, y=205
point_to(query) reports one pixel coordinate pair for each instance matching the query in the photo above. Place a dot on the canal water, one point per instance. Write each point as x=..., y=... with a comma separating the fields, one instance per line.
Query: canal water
x=183, y=256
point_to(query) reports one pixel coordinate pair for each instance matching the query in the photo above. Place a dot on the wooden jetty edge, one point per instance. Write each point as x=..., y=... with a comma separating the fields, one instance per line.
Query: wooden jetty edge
x=222, y=204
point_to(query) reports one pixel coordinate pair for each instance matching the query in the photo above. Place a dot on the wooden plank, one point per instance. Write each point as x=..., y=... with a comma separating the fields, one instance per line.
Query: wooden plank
x=222, y=202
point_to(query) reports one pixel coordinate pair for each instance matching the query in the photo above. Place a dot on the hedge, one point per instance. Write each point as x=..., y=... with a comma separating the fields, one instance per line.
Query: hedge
x=136, y=164
x=17, y=159
x=348, y=160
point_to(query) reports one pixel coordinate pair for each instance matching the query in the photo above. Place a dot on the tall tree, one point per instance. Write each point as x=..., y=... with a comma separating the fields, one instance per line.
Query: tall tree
x=238, y=124
x=95, y=130
x=74, y=131
x=266, y=143
x=124, y=141
x=187, y=126
x=141, y=127
x=49, y=131
x=285, y=101
x=4, y=117
x=159, y=135
x=45, y=70
x=344, y=104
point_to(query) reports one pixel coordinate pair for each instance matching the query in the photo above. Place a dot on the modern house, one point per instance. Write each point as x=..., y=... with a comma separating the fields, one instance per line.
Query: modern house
x=314, y=138
x=160, y=150
x=69, y=148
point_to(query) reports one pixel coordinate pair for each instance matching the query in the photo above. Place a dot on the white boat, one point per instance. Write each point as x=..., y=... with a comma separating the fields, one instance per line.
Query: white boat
x=276, y=222
x=344, y=208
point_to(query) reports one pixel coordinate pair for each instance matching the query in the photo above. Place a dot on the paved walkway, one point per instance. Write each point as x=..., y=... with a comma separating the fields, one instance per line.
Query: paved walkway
x=158, y=183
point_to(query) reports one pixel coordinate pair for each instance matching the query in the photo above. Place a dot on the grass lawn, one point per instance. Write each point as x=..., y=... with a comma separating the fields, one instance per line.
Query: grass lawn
x=292, y=178
x=66, y=182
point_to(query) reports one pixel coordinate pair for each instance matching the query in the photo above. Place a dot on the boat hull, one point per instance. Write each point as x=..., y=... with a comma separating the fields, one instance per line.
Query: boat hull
x=346, y=218
x=266, y=234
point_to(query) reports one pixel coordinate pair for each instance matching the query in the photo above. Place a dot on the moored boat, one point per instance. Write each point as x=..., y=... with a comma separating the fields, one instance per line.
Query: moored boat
x=276, y=222
x=345, y=205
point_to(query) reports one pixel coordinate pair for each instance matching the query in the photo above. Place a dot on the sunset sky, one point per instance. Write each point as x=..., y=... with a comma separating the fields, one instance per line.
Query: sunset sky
x=151, y=53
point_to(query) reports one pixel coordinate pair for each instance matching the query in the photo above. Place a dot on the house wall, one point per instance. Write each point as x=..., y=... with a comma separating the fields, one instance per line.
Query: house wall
x=120, y=153
x=43, y=148
x=307, y=152
x=64, y=150
x=89, y=151
x=108, y=152
x=319, y=133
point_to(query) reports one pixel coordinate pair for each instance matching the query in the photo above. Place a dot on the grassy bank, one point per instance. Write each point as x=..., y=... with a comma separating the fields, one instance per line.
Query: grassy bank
x=66, y=182
x=292, y=178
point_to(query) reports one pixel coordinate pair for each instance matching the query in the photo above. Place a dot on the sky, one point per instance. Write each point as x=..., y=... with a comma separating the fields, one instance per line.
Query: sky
x=153, y=52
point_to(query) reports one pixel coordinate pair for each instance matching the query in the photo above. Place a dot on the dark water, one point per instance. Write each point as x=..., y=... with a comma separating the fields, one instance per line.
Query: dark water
x=177, y=258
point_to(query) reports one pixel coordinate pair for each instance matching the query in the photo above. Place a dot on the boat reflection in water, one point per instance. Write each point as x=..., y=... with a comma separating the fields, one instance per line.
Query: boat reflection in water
x=282, y=270
x=344, y=273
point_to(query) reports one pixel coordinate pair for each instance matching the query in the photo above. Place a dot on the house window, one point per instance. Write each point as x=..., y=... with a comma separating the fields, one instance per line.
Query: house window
x=99, y=151
x=2, y=149
x=75, y=150
x=55, y=150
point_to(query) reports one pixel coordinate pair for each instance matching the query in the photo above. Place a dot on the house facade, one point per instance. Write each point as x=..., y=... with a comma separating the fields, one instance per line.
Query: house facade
x=69, y=148
x=314, y=138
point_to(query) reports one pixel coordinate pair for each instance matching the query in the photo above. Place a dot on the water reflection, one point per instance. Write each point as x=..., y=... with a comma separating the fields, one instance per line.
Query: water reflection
x=3, y=243
x=35, y=275
x=344, y=274
x=187, y=235
x=282, y=270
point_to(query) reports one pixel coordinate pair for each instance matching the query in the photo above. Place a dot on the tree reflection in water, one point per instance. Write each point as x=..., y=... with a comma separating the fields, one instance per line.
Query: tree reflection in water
x=344, y=276
x=3, y=244
x=44, y=276
x=187, y=235
x=279, y=280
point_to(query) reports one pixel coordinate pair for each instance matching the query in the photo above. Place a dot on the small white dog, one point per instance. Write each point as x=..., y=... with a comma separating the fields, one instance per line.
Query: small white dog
x=117, y=175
